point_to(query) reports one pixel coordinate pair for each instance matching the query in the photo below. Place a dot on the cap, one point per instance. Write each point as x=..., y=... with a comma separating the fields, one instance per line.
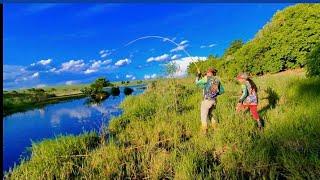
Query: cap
x=212, y=70
x=242, y=76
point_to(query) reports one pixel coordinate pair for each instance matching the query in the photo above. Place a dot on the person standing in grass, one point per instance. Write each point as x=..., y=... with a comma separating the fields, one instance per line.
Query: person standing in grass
x=249, y=97
x=212, y=87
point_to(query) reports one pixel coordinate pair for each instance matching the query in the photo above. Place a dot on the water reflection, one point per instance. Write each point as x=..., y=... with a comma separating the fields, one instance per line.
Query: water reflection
x=69, y=117
x=78, y=113
x=42, y=112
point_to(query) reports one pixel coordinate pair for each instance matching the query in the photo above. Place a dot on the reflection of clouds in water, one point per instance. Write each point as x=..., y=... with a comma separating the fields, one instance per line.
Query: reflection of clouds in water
x=78, y=113
x=105, y=110
x=42, y=112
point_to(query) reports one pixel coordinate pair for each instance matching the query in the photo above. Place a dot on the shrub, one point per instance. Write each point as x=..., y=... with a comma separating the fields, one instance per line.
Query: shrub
x=127, y=91
x=313, y=62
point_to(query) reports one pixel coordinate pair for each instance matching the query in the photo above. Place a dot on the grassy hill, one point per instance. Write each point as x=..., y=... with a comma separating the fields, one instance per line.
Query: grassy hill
x=283, y=43
x=158, y=137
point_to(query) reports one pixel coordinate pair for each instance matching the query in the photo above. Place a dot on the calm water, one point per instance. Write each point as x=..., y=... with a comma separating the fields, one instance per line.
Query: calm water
x=69, y=117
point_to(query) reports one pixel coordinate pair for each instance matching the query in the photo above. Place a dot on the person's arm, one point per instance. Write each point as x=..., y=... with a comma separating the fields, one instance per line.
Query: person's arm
x=244, y=93
x=221, y=89
x=201, y=82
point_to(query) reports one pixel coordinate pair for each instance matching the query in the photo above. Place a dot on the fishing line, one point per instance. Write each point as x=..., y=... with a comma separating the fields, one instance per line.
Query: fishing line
x=165, y=39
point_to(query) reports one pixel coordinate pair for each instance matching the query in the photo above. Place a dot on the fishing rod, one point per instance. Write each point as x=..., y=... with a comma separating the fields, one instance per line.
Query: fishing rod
x=165, y=39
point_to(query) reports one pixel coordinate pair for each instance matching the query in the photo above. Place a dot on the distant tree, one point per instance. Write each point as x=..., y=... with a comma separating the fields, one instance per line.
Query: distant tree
x=234, y=46
x=127, y=91
x=171, y=68
x=115, y=91
x=102, y=82
x=313, y=62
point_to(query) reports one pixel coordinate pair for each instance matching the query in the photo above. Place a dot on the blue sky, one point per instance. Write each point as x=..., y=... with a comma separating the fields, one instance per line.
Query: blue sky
x=55, y=44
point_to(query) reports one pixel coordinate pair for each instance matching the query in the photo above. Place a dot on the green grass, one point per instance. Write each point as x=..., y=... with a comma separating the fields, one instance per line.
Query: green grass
x=158, y=136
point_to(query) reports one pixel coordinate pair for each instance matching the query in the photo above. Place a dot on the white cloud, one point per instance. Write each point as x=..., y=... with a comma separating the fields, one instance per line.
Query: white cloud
x=176, y=56
x=12, y=72
x=208, y=46
x=45, y=62
x=129, y=76
x=117, y=76
x=41, y=85
x=123, y=62
x=184, y=42
x=72, y=66
x=183, y=64
x=71, y=82
x=151, y=76
x=35, y=75
x=179, y=48
x=89, y=71
x=133, y=78
x=105, y=52
x=53, y=70
x=163, y=57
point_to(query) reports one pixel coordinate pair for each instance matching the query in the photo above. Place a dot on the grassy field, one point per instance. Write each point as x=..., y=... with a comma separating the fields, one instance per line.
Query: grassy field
x=158, y=136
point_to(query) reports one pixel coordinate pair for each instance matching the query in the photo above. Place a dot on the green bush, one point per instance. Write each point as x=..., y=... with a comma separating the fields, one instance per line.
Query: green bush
x=313, y=62
x=127, y=91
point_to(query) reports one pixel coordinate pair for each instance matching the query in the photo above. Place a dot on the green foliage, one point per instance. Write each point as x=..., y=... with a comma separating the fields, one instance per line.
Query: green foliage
x=211, y=62
x=153, y=139
x=283, y=43
x=15, y=101
x=115, y=91
x=313, y=62
x=127, y=91
x=234, y=46
x=171, y=68
x=96, y=88
x=61, y=158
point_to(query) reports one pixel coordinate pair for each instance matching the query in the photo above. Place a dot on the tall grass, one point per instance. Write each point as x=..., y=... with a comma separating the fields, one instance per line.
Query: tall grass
x=158, y=135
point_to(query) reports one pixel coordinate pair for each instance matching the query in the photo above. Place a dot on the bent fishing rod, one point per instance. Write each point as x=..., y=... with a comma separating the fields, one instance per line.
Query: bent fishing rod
x=165, y=39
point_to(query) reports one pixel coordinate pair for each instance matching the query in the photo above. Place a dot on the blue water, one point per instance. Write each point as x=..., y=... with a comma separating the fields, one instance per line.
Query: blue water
x=69, y=117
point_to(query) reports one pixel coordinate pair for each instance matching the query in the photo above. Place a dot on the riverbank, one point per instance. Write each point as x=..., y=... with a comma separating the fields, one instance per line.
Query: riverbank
x=26, y=99
x=158, y=136
x=22, y=102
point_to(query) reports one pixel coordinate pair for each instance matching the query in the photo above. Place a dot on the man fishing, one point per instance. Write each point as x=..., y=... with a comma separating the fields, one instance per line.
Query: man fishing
x=212, y=88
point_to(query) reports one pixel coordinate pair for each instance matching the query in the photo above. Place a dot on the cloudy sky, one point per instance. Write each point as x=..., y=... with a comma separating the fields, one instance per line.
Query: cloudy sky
x=55, y=44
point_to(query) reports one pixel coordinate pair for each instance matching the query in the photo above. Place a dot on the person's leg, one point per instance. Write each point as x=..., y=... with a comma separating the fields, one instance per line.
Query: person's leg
x=212, y=114
x=255, y=115
x=205, y=106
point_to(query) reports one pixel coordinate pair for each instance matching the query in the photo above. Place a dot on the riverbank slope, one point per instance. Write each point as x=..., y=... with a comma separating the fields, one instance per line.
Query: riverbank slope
x=158, y=136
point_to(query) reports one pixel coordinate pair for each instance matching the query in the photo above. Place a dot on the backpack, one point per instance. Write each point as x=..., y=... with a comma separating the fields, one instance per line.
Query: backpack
x=214, y=89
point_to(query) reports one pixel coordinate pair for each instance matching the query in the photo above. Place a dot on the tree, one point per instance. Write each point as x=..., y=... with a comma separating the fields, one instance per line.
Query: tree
x=127, y=91
x=102, y=82
x=313, y=62
x=171, y=69
x=234, y=46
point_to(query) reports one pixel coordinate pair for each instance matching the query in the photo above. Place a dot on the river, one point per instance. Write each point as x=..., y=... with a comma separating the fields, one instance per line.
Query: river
x=68, y=117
